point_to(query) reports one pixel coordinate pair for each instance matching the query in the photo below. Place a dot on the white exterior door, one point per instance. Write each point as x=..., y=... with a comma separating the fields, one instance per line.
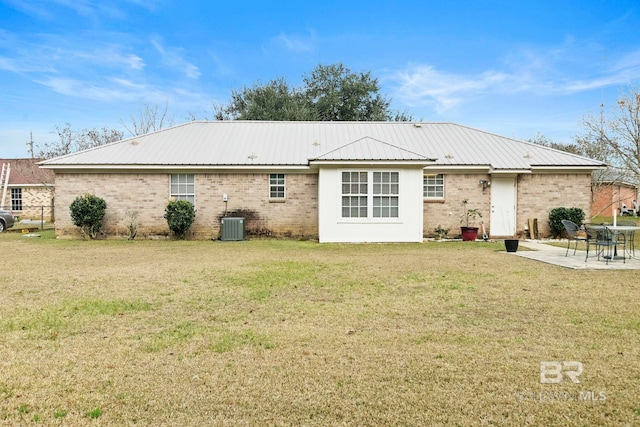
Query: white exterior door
x=503, y=207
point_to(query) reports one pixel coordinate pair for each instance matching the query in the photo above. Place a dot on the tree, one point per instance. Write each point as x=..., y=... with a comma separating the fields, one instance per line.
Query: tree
x=540, y=139
x=273, y=101
x=336, y=94
x=149, y=119
x=70, y=141
x=330, y=93
x=616, y=139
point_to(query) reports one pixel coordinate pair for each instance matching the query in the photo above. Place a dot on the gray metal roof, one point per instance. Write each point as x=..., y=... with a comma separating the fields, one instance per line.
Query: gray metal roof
x=370, y=149
x=263, y=143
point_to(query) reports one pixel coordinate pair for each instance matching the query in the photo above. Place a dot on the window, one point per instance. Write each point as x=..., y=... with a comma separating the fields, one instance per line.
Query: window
x=16, y=199
x=433, y=187
x=276, y=186
x=354, y=194
x=370, y=194
x=183, y=187
x=385, y=194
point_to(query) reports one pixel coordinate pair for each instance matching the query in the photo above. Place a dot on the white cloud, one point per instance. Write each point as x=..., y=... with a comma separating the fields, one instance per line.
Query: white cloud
x=295, y=44
x=423, y=85
x=556, y=72
x=173, y=58
x=110, y=90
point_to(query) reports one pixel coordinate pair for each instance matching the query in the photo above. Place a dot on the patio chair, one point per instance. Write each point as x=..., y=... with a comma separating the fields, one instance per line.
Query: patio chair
x=630, y=235
x=572, y=234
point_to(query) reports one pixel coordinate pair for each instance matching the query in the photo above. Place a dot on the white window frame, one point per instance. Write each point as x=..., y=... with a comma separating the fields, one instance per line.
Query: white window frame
x=277, y=188
x=182, y=186
x=353, y=193
x=386, y=194
x=369, y=200
x=431, y=183
x=16, y=199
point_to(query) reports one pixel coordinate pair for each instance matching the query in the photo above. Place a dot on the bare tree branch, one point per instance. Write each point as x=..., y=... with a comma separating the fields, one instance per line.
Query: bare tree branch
x=149, y=119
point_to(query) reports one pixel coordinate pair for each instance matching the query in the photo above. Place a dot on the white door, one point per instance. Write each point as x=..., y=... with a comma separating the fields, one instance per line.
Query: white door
x=503, y=207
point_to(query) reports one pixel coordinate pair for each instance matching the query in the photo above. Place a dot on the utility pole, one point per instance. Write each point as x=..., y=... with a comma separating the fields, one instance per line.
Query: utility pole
x=30, y=143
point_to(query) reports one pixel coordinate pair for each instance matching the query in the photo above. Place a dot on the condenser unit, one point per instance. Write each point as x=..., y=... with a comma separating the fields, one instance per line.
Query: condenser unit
x=232, y=229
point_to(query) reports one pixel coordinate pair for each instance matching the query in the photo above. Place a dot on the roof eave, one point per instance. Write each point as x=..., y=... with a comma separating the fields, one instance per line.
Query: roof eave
x=159, y=168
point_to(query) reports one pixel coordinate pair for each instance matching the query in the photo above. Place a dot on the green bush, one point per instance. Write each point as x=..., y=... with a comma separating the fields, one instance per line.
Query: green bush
x=558, y=214
x=87, y=212
x=179, y=214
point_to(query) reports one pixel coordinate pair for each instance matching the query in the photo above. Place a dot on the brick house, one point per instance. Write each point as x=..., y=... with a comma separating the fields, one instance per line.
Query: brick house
x=339, y=181
x=613, y=190
x=29, y=192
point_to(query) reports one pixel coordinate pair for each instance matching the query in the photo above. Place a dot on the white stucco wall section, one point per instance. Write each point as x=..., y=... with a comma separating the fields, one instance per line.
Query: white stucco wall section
x=406, y=228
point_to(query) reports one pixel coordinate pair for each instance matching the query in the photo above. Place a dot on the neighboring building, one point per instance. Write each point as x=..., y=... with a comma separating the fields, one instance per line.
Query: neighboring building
x=29, y=193
x=614, y=189
x=340, y=181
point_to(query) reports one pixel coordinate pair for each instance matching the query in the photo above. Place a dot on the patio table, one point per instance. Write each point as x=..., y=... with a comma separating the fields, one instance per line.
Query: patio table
x=628, y=232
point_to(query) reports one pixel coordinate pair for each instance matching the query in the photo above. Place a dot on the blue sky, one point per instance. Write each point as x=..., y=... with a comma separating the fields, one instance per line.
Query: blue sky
x=515, y=68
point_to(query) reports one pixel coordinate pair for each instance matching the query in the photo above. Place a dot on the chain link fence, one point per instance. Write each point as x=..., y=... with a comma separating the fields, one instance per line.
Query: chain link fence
x=31, y=216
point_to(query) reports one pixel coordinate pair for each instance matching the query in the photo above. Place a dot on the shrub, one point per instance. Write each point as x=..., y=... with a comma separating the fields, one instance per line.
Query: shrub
x=558, y=214
x=132, y=224
x=179, y=214
x=87, y=212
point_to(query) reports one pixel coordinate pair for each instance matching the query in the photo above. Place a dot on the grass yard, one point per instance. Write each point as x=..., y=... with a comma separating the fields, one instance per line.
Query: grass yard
x=277, y=333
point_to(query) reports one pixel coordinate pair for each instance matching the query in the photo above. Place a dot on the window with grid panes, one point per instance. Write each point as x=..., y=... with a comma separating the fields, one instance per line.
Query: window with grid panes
x=16, y=199
x=276, y=186
x=354, y=194
x=433, y=187
x=386, y=187
x=183, y=187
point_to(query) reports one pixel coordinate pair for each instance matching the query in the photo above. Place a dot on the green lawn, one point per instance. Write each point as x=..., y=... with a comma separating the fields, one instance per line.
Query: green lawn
x=273, y=332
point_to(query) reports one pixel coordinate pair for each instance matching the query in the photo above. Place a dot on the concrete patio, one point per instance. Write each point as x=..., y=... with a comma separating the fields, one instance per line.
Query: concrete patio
x=543, y=252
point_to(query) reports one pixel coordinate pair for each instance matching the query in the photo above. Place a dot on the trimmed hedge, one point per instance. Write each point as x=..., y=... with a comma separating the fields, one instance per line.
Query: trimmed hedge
x=179, y=214
x=87, y=212
x=558, y=214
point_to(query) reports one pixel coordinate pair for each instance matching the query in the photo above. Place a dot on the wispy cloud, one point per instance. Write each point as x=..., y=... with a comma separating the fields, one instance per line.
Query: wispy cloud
x=294, y=43
x=93, y=10
x=109, y=90
x=173, y=57
x=555, y=72
x=423, y=85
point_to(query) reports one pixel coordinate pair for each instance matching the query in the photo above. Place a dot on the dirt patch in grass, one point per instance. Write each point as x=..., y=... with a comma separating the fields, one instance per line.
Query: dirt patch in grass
x=298, y=333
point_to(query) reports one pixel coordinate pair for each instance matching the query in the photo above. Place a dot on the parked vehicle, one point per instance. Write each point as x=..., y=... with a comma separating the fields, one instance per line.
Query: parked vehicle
x=6, y=220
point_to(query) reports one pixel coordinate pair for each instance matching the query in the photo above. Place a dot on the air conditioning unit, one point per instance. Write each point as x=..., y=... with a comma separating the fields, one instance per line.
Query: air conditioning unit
x=232, y=229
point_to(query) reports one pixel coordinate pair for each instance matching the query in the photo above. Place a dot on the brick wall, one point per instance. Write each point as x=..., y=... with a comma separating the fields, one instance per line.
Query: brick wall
x=447, y=213
x=608, y=197
x=148, y=193
x=537, y=194
x=37, y=202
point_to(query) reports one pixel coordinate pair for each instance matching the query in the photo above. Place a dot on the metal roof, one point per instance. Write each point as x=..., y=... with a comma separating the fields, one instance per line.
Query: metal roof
x=275, y=143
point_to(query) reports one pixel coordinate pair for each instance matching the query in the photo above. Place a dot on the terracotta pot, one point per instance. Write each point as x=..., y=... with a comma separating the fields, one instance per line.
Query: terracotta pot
x=469, y=234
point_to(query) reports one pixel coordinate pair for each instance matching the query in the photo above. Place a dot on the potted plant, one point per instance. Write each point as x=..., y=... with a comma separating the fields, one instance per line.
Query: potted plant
x=511, y=245
x=468, y=218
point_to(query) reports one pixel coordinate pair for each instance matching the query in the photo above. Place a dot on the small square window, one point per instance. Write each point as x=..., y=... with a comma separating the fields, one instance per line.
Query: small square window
x=183, y=187
x=433, y=187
